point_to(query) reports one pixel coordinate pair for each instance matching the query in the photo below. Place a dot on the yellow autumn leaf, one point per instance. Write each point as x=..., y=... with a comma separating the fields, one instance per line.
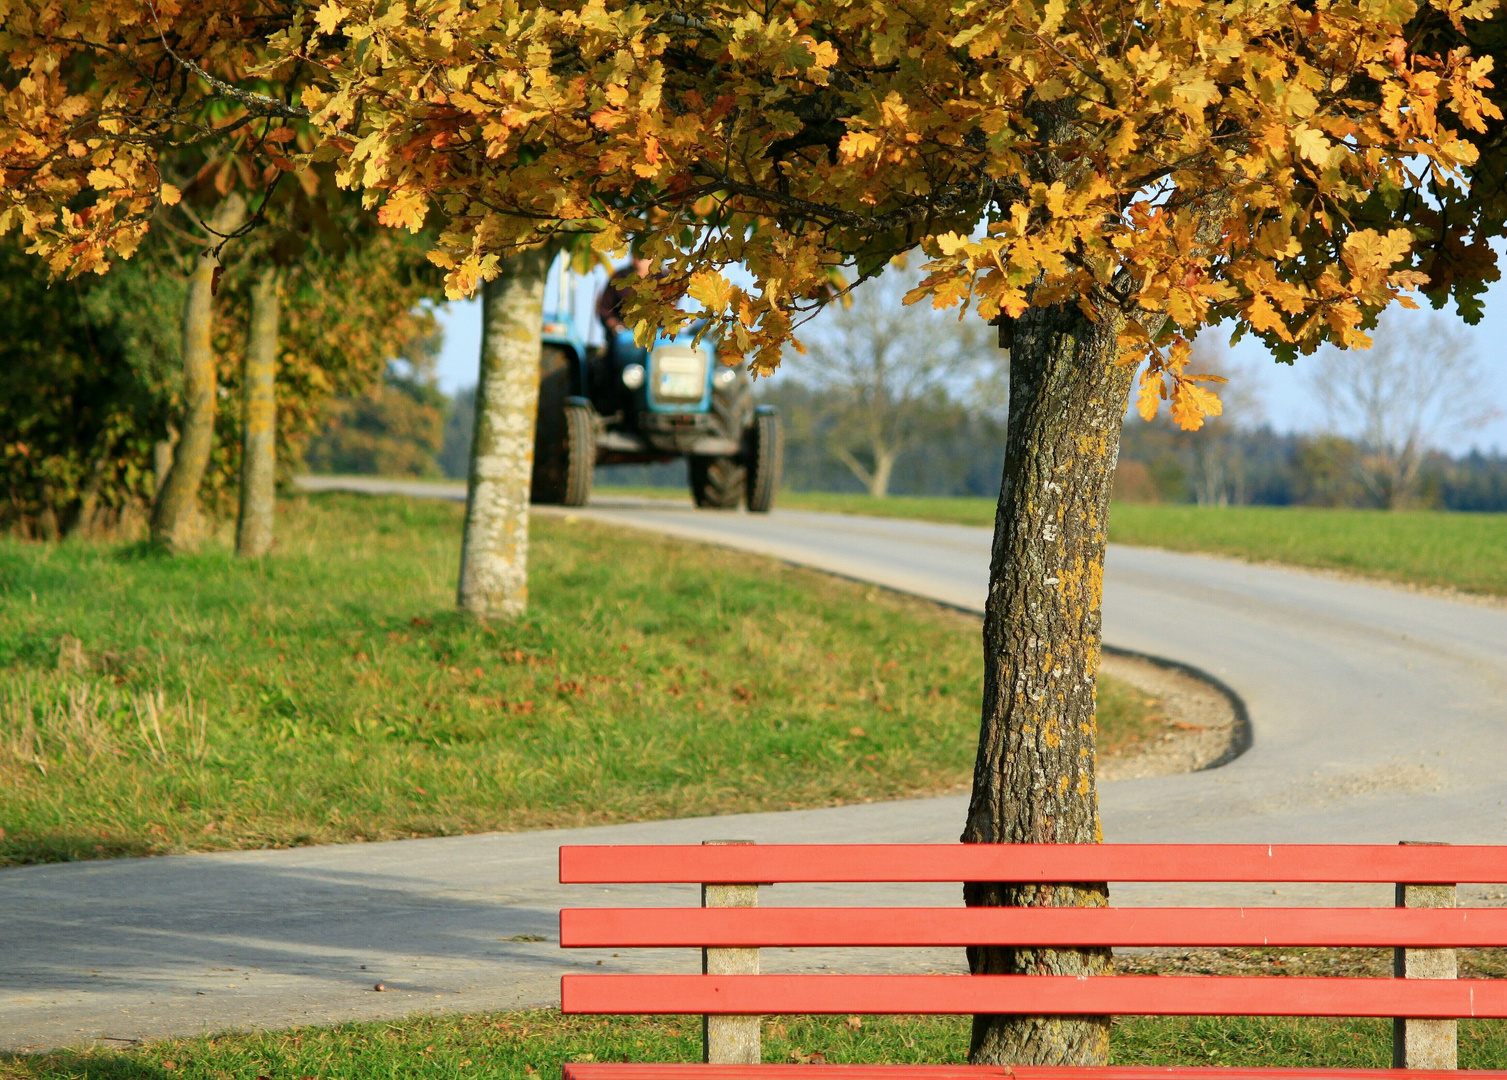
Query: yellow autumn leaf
x=1313, y=145
x=1191, y=403
x=857, y=144
x=404, y=209
x=1149, y=398
x=711, y=290
x=1197, y=91
x=330, y=15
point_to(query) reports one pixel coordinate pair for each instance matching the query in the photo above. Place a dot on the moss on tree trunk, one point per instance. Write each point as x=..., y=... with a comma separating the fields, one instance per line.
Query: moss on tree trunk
x=1034, y=777
x=494, y=552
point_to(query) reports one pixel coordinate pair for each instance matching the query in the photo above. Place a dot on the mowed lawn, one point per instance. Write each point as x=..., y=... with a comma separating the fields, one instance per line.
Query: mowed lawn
x=330, y=692
x=525, y=1045
x=1418, y=547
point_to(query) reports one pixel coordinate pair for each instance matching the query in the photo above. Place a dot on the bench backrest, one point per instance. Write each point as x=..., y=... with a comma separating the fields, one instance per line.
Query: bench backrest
x=751, y=927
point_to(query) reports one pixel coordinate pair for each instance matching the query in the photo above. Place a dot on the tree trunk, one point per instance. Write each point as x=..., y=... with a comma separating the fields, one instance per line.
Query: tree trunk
x=884, y=465
x=162, y=461
x=88, y=507
x=175, y=514
x=1034, y=778
x=494, y=552
x=253, y=534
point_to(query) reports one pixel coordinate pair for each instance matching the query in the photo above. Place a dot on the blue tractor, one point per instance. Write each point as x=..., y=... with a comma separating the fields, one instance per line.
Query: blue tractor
x=625, y=404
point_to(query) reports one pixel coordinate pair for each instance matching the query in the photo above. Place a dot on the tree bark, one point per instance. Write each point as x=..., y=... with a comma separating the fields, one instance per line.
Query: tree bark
x=254, y=526
x=175, y=514
x=1034, y=777
x=494, y=552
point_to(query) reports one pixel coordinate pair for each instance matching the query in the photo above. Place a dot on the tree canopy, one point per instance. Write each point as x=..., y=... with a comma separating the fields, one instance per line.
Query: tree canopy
x=1289, y=168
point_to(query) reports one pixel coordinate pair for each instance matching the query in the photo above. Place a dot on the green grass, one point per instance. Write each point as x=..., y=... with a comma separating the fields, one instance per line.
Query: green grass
x=330, y=693
x=529, y=1044
x=1460, y=551
x=1425, y=547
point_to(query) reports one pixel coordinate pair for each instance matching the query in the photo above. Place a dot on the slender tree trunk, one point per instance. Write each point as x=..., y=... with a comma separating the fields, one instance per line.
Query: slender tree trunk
x=162, y=462
x=884, y=465
x=1034, y=777
x=494, y=552
x=253, y=534
x=88, y=507
x=175, y=513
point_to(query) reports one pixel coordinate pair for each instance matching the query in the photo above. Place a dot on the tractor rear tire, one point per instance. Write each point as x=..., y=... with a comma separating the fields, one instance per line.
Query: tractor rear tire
x=764, y=452
x=564, y=436
x=718, y=483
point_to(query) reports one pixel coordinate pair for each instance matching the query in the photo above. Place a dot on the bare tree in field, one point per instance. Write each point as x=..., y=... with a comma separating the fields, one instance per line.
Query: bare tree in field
x=887, y=370
x=1420, y=383
x=1219, y=474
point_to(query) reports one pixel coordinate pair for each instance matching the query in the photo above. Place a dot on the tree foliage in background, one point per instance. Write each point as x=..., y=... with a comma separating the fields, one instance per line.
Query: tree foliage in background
x=90, y=376
x=395, y=427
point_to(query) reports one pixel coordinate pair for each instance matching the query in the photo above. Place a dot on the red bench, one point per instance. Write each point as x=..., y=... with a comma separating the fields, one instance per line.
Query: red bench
x=729, y=928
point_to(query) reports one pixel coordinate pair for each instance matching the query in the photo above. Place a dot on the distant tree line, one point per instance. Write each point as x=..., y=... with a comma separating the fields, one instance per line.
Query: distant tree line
x=1158, y=463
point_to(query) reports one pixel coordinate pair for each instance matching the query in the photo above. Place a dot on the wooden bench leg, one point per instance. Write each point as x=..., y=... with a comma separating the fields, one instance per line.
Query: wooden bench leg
x=730, y=1040
x=1425, y=1044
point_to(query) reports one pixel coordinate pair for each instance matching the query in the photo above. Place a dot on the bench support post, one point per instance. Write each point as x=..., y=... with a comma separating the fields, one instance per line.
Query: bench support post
x=1424, y=1044
x=730, y=1040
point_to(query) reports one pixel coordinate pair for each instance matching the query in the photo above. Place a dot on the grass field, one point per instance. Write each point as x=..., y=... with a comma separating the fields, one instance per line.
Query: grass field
x=330, y=693
x=1420, y=547
x=518, y=1046
x=1424, y=547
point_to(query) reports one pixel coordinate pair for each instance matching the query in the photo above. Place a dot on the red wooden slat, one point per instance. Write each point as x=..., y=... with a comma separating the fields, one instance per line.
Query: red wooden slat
x=602, y=1070
x=683, y=1071
x=1230, y=927
x=758, y=863
x=1143, y=995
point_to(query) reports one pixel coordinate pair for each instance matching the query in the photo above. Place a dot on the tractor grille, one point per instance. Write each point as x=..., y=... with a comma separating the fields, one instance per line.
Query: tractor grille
x=677, y=374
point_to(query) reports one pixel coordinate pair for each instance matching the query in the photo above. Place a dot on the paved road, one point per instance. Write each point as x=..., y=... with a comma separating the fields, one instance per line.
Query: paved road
x=1377, y=715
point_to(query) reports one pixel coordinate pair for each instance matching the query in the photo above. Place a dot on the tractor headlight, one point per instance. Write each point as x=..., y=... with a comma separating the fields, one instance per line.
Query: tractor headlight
x=725, y=378
x=633, y=376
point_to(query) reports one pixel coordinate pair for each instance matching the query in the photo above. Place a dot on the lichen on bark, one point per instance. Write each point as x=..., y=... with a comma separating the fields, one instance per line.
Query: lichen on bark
x=494, y=551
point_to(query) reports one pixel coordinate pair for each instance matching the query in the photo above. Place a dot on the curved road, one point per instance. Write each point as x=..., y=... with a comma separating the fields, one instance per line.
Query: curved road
x=1377, y=714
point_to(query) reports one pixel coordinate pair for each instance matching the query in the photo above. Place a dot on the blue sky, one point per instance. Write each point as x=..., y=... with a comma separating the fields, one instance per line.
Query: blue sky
x=1284, y=389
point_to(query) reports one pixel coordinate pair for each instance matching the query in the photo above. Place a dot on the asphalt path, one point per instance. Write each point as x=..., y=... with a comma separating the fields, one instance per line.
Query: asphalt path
x=1377, y=714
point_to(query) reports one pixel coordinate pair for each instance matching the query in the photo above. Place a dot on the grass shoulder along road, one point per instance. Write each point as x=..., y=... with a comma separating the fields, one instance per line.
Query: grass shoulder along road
x=330, y=693
x=525, y=1045
x=1438, y=549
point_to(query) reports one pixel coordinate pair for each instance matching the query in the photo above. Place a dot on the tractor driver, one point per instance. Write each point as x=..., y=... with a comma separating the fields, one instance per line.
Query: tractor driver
x=610, y=303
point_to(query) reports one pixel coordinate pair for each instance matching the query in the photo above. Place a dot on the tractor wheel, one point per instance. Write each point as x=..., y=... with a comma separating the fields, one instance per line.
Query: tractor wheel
x=581, y=450
x=717, y=483
x=764, y=451
x=732, y=402
x=564, y=442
